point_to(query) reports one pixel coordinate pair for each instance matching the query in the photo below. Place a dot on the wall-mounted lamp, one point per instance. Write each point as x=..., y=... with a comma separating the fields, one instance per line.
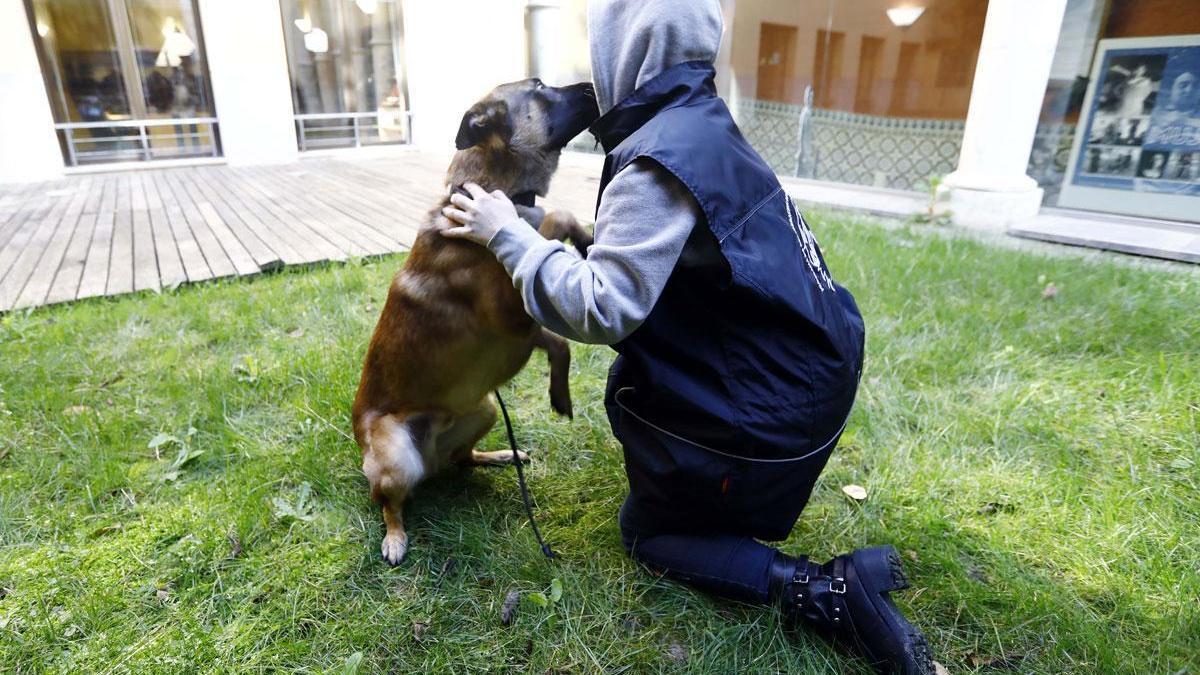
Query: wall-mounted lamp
x=903, y=17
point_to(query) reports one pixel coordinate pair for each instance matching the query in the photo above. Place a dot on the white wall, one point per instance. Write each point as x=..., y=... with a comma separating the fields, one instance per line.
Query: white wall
x=456, y=51
x=248, y=66
x=29, y=150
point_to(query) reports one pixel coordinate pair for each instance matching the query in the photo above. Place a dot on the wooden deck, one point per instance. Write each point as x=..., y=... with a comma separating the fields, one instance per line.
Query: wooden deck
x=111, y=233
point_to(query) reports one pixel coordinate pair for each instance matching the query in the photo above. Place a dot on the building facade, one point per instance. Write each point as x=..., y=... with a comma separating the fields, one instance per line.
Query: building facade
x=1014, y=105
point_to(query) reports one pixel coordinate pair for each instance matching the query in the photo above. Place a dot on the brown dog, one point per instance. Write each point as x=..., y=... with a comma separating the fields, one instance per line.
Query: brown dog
x=454, y=327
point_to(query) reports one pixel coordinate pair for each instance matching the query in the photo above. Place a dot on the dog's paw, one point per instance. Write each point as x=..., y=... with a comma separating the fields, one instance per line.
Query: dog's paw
x=394, y=548
x=561, y=403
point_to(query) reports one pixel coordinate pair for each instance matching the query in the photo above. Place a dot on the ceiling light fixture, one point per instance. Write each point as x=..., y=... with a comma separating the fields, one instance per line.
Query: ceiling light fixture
x=903, y=17
x=316, y=41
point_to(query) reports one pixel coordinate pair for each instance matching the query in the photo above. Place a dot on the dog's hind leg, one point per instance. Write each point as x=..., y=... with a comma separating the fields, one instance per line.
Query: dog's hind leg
x=393, y=464
x=465, y=432
x=562, y=225
x=558, y=351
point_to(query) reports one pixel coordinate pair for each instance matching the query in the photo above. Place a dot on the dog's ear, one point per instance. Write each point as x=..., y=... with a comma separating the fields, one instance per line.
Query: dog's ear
x=483, y=121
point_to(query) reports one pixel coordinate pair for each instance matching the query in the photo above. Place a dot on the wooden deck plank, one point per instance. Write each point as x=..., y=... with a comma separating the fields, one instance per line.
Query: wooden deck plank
x=239, y=255
x=366, y=240
x=145, y=257
x=309, y=245
x=170, y=264
x=283, y=208
x=261, y=255
x=399, y=219
x=70, y=271
x=32, y=241
x=99, y=234
x=214, y=255
x=37, y=287
x=322, y=198
x=284, y=244
x=190, y=256
x=94, y=279
x=120, y=261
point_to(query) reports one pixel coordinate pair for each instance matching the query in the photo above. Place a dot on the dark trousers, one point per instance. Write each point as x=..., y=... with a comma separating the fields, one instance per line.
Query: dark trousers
x=726, y=565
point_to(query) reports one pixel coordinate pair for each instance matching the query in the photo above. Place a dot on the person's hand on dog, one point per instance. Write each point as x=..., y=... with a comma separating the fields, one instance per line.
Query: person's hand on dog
x=479, y=216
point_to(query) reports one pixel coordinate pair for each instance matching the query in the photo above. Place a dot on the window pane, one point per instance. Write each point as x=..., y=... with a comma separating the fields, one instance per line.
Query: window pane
x=344, y=58
x=170, y=58
x=847, y=91
x=80, y=63
x=1116, y=148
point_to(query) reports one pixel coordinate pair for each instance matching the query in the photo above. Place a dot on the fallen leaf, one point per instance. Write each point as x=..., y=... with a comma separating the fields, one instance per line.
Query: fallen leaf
x=1050, y=291
x=350, y=667
x=509, y=609
x=115, y=527
x=418, y=629
x=855, y=492
x=939, y=669
x=555, y=590
x=677, y=653
x=1007, y=662
x=299, y=332
x=538, y=599
x=911, y=554
x=994, y=507
x=235, y=544
x=72, y=411
x=162, y=595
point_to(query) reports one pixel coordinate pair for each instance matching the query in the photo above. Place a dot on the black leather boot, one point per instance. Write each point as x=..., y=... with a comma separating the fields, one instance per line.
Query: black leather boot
x=846, y=600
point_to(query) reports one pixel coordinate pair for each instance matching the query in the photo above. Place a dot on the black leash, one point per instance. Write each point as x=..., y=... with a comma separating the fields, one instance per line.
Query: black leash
x=512, y=442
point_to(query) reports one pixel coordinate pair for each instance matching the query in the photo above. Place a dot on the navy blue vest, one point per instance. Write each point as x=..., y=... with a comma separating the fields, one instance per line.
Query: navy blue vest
x=761, y=362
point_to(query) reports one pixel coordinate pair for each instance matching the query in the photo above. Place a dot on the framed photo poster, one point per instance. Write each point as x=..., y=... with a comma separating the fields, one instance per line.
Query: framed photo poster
x=1137, y=145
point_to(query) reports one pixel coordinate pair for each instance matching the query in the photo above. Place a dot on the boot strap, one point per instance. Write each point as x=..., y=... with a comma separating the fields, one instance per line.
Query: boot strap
x=839, y=610
x=797, y=589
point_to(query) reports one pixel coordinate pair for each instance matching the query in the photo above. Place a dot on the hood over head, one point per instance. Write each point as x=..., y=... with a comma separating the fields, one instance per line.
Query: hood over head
x=633, y=41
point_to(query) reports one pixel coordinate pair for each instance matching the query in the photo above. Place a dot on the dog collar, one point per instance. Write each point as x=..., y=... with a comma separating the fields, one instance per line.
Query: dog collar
x=525, y=199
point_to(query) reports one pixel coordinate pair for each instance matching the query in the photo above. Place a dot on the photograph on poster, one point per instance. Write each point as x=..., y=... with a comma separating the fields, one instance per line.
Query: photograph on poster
x=1143, y=128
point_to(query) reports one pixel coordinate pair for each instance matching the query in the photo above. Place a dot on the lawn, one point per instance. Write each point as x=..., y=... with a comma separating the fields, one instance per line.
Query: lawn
x=178, y=490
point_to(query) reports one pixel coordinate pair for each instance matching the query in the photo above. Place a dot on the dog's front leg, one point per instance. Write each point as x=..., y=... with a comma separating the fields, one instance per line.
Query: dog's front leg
x=562, y=225
x=559, y=353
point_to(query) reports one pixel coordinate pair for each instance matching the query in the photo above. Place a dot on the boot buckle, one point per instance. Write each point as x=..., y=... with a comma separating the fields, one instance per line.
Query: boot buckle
x=838, y=586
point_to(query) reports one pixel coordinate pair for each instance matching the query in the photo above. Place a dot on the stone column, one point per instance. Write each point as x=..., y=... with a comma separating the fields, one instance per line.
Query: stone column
x=248, y=65
x=990, y=189
x=28, y=148
x=444, y=77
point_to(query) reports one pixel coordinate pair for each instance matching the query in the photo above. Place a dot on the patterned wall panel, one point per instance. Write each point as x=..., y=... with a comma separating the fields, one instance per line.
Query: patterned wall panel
x=851, y=148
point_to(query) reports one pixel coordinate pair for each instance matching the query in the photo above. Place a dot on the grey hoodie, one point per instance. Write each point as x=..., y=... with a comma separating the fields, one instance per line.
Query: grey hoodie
x=646, y=215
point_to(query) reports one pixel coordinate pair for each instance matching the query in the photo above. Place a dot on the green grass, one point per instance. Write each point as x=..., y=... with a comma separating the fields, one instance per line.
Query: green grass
x=1037, y=460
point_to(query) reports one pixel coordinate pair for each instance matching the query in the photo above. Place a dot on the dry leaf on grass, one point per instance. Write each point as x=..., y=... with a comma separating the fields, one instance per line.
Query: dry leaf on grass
x=418, y=628
x=1050, y=291
x=939, y=669
x=855, y=492
x=677, y=653
x=509, y=608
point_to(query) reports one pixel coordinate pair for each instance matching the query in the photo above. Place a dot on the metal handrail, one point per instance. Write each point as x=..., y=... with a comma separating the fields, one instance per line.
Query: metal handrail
x=143, y=137
x=356, y=126
x=156, y=122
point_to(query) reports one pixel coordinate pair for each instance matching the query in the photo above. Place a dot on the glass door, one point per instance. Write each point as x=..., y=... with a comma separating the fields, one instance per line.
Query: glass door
x=127, y=79
x=346, y=63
